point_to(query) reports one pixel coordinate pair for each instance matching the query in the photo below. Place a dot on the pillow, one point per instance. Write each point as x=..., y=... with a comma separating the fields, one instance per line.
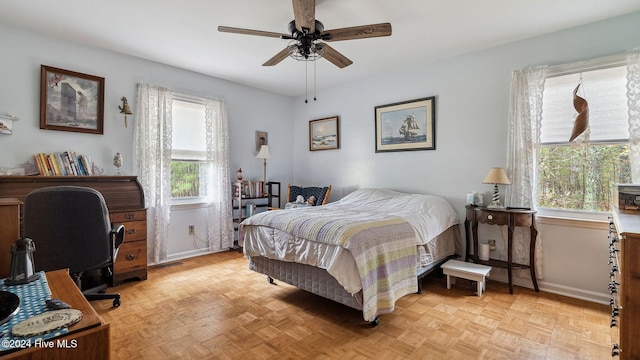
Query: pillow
x=307, y=192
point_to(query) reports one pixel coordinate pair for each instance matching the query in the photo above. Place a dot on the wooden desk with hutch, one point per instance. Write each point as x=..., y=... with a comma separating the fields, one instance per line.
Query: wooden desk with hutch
x=502, y=216
x=125, y=201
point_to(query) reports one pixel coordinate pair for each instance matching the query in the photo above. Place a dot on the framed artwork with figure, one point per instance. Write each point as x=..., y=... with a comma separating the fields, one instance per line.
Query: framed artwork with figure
x=262, y=138
x=71, y=101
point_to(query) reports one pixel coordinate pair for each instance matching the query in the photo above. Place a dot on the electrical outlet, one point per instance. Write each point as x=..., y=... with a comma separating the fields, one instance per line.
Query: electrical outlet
x=192, y=229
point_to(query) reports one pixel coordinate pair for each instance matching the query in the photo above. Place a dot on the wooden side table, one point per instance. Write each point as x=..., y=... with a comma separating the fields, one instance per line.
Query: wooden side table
x=502, y=216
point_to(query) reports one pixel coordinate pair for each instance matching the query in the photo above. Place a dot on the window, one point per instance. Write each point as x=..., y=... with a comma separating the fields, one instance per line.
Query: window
x=188, y=149
x=579, y=176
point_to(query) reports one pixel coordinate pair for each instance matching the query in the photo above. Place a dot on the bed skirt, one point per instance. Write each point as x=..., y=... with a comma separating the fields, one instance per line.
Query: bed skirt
x=318, y=281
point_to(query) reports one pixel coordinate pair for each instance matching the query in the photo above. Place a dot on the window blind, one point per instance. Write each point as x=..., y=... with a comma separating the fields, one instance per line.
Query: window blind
x=188, y=134
x=606, y=92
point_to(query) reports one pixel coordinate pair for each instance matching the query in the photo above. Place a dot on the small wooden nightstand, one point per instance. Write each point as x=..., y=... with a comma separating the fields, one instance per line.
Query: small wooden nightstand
x=502, y=216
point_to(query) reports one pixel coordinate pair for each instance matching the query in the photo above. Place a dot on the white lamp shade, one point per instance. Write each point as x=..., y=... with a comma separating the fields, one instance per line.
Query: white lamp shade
x=264, y=152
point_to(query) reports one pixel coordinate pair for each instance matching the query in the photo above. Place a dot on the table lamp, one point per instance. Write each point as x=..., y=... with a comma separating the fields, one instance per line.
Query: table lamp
x=496, y=176
x=264, y=154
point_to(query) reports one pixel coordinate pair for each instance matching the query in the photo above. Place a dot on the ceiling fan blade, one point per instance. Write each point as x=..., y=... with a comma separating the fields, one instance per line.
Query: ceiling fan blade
x=252, y=32
x=304, y=13
x=357, y=32
x=277, y=58
x=334, y=57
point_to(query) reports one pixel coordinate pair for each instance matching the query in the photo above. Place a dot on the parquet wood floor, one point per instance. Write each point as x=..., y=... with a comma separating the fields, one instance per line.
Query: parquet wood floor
x=214, y=307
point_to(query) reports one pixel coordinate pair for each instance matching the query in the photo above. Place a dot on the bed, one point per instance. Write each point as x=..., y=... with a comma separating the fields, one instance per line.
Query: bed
x=366, y=250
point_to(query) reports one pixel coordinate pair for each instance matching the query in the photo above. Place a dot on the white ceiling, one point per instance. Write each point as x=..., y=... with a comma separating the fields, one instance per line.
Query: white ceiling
x=184, y=33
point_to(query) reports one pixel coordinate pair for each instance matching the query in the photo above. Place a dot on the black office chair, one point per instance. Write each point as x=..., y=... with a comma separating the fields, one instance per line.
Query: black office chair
x=71, y=229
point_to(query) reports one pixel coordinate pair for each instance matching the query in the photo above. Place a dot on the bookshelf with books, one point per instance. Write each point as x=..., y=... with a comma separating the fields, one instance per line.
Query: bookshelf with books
x=66, y=163
x=249, y=198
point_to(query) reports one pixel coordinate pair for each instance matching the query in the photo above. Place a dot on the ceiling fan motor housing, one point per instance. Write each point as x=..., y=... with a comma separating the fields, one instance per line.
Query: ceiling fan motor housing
x=295, y=33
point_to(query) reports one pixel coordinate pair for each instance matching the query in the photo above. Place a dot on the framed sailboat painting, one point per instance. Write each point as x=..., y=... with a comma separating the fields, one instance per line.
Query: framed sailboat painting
x=406, y=126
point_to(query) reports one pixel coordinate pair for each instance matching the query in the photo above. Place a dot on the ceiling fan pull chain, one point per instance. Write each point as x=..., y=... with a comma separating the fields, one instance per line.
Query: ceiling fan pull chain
x=314, y=81
x=306, y=82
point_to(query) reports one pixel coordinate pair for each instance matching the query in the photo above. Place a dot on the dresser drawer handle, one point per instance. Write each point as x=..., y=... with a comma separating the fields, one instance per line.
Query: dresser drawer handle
x=130, y=257
x=130, y=231
x=490, y=217
x=615, y=351
x=129, y=216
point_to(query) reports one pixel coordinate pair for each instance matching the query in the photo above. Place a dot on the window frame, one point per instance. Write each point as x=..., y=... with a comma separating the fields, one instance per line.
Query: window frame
x=618, y=60
x=188, y=201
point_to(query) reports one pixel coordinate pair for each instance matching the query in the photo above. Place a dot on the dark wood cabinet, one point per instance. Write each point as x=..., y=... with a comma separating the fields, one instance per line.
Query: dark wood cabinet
x=125, y=200
x=624, y=285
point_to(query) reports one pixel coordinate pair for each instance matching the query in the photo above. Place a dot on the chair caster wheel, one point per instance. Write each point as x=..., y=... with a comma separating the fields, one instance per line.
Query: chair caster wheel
x=375, y=322
x=270, y=279
x=116, y=302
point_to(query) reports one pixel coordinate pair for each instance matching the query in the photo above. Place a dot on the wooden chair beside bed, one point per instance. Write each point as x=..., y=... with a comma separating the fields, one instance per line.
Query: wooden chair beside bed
x=309, y=195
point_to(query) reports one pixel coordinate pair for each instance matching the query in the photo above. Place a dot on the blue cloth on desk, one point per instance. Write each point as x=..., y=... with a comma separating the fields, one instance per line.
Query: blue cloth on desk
x=33, y=297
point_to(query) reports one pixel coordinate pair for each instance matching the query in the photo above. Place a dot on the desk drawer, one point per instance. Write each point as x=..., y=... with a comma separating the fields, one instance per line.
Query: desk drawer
x=492, y=217
x=131, y=256
x=125, y=216
x=134, y=231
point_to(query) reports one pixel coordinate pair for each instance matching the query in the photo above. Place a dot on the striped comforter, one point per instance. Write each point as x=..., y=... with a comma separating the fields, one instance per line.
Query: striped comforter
x=383, y=246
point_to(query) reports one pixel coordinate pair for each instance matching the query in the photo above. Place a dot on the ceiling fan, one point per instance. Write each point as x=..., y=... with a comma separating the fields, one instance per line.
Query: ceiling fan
x=308, y=36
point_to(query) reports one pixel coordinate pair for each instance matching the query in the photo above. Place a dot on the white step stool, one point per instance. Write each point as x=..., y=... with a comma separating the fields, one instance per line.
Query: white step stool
x=466, y=270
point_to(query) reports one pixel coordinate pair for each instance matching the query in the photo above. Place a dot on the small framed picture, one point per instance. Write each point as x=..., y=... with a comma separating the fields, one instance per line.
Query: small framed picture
x=324, y=134
x=71, y=101
x=262, y=138
x=406, y=126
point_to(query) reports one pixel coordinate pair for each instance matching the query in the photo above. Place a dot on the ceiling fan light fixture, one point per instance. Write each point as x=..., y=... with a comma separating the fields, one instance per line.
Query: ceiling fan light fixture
x=302, y=51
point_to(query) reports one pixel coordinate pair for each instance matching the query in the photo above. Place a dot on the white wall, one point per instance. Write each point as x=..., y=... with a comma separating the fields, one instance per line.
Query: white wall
x=21, y=58
x=472, y=103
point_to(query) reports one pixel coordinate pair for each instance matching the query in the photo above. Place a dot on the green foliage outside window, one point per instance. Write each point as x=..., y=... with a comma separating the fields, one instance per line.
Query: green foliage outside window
x=581, y=177
x=185, y=179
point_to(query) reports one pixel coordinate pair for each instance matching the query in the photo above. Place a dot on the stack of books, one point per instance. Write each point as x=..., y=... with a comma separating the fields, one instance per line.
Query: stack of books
x=65, y=163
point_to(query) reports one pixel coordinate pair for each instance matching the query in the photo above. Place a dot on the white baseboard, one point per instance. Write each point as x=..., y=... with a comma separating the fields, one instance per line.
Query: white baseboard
x=599, y=298
x=185, y=255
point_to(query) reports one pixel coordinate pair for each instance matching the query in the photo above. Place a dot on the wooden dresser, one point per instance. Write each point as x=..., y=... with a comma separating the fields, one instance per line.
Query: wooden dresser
x=624, y=251
x=125, y=201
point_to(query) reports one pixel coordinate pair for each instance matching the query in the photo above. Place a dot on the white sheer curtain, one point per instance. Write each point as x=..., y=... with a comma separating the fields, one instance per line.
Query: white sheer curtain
x=219, y=220
x=633, y=101
x=152, y=163
x=525, y=114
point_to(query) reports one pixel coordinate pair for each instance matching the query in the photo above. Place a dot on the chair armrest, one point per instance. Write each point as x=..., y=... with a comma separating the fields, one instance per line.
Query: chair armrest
x=117, y=236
